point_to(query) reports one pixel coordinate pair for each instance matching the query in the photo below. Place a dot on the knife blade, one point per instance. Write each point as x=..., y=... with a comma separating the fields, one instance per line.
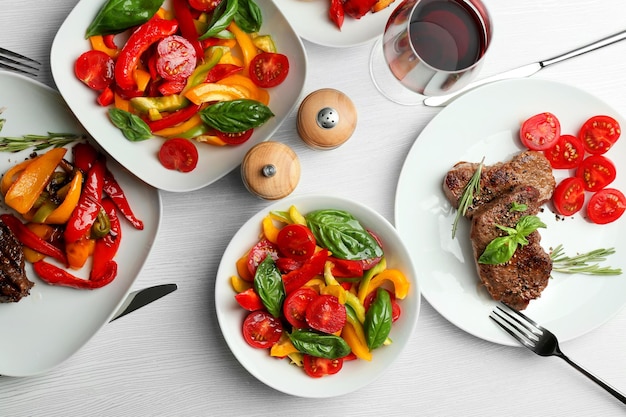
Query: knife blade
x=525, y=70
x=140, y=298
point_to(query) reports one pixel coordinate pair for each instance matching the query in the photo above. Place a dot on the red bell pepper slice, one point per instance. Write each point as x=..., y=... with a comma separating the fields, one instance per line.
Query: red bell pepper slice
x=336, y=12
x=139, y=41
x=107, y=246
x=220, y=71
x=187, y=25
x=84, y=156
x=175, y=118
x=31, y=240
x=54, y=275
x=345, y=268
x=115, y=192
x=89, y=204
x=312, y=267
x=249, y=300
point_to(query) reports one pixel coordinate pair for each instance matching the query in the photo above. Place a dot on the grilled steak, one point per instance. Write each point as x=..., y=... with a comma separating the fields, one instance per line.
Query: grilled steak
x=528, y=168
x=13, y=281
x=526, y=274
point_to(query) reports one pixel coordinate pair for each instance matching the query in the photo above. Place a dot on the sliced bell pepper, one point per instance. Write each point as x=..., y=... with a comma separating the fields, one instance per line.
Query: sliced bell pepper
x=364, y=285
x=312, y=267
x=283, y=347
x=248, y=49
x=401, y=284
x=221, y=71
x=54, y=275
x=183, y=127
x=98, y=44
x=295, y=216
x=238, y=284
x=62, y=213
x=12, y=174
x=89, y=204
x=106, y=247
x=270, y=231
x=115, y=192
x=174, y=119
x=79, y=251
x=335, y=290
x=354, y=336
x=169, y=103
x=249, y=300
x=207, y=92
x=23, y=193
x=246, y=85
x=45, y=232
x=28, y=238
x=350, y=298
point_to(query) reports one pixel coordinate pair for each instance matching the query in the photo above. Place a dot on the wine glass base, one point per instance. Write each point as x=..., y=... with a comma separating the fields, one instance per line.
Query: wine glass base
x=386, y=83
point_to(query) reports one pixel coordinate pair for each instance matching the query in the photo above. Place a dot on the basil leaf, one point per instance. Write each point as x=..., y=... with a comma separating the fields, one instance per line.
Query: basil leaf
x=342, y=234
x=321, y=345
x=248, y=16
x=132, y=126
x=502, y=249
x=236, y=115
x=268, y=283
x=115, y=16
x=221, y=17
x=528, y=224
x=378, y=320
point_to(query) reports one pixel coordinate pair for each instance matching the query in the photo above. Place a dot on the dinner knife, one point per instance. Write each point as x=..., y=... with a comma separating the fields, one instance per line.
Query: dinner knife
x=525, y=70
x=140, y=298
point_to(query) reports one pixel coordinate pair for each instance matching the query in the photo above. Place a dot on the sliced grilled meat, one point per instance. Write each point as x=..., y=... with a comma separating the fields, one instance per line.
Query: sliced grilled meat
x=528, y=168
x=13, y=281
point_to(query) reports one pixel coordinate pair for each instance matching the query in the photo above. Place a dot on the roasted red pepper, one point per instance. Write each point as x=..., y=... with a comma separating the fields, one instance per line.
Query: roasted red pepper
x=187, y=25
x=107, y=246
x=116, y=194
x=31, y=240
x=84, y=156
x=313, y=266
x=174, y=118
x=54, y=275
x=139, y=41
x=89, y=204
x=358, y=8
x=336, y=13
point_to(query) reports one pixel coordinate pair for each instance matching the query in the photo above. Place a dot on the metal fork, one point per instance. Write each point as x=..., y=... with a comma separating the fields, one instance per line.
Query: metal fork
x=13, y=61
x=540, y=340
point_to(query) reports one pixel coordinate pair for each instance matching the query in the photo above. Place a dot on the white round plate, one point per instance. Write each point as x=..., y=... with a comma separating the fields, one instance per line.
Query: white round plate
x=310, y=20
x=279, y=374
x=485, y=123
x=141, y=157
x=51, y=324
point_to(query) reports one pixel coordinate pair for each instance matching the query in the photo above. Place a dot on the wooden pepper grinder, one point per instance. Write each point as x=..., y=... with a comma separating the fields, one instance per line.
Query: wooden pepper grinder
x=270, y=170
x=326, y=119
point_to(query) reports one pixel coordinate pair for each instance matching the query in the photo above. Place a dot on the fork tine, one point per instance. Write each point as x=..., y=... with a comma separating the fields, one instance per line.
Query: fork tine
x=22, y=64
x=20, y=56
x=506, y=326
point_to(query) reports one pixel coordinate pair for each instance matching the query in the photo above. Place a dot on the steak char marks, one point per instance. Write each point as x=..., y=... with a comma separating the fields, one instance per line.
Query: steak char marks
x=525, y=180
x=13, y=281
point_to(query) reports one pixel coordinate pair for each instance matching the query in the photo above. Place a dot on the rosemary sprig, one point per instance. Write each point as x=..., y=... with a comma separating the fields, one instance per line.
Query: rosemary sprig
x=584, y=263
x=471, y=189
x=39, y=142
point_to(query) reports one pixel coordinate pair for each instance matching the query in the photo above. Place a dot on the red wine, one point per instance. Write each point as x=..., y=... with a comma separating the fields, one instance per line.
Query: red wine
x=447, y=34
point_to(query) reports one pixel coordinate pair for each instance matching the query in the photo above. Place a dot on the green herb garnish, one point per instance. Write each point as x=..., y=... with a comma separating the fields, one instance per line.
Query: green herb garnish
x=502, y=248
x=131, y=125
x=236, y=116
x=38, y=142
x=471, y=189
x=585, y=263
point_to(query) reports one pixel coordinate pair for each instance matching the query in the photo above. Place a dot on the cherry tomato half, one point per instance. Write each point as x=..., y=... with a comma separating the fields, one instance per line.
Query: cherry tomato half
x=234, y=138
x=597, y=172
x=176, y=58
x=296, y=241
x=606, y=206
x=95, y=69
x=318, y=367
x=296, y=304
x=599, y=133
x=261, y=329
x=258, y=253
x=567, y=153
x=326, y=314
x=269, y=69
x=540, y=131
x=204, y=5
x=569, y=196
x=178, y=154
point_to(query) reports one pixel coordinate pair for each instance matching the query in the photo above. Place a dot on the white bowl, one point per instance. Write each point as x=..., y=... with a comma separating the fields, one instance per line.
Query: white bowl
x=141, y=157
x=281, y=375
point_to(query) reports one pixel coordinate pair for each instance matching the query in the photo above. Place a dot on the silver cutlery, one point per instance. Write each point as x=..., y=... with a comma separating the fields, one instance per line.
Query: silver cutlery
x=13, y=61
x=525, y=70
x=140, y=298
x=540, y=340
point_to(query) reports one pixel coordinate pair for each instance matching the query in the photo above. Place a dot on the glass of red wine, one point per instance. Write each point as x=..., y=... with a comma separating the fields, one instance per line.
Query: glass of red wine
x=429, y=48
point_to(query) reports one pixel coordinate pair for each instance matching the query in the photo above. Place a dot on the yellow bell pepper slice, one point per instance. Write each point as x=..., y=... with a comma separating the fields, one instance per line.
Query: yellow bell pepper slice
x=239, y=285
x=364, y=285
x=401, y=284
x=354, y=336
x=97, y=43
x=62, y=214
x=210, y=140
x=296, y=217
x=207, y=92
x=242, y=268
x=12, y=174
x=23, y=193
x=246, y=85
x=79, y=251
x=248, y=48
x=283, y=347
x=270, y=231
x=121, y=103
x=142, y=78
x=350, y=299
x=335, y=290
x=176, y=130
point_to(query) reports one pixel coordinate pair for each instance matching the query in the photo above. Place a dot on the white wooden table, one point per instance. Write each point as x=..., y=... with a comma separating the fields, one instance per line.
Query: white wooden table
x=170, y=359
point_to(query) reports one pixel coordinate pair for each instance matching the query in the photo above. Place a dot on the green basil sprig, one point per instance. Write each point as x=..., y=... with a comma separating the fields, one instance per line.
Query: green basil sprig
x=223, y=14
x=321, y=345
x=116, y=16
x=342, y=234
x=378, y=320
x=236, y=116
x=248, y=16
x=132, y=126
x=502, y=248
x=268, y=283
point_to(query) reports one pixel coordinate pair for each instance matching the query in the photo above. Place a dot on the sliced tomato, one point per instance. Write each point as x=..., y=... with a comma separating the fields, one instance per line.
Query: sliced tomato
x=95, y=69
x=234, y=138
x=249, y=300
x=597, y=171
x=599, y=133
x=540, y=131
x=296, y=303
x=178, y=154
x=204, y=5
x=259, y=252
x=318, y=367
x=569, y=196
x=269, y=69
x=606, y=206
x=176, y=58
x=261, y=329
x=296, y=241
x=567, y=153
x=396, y=311
x=326, y=314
